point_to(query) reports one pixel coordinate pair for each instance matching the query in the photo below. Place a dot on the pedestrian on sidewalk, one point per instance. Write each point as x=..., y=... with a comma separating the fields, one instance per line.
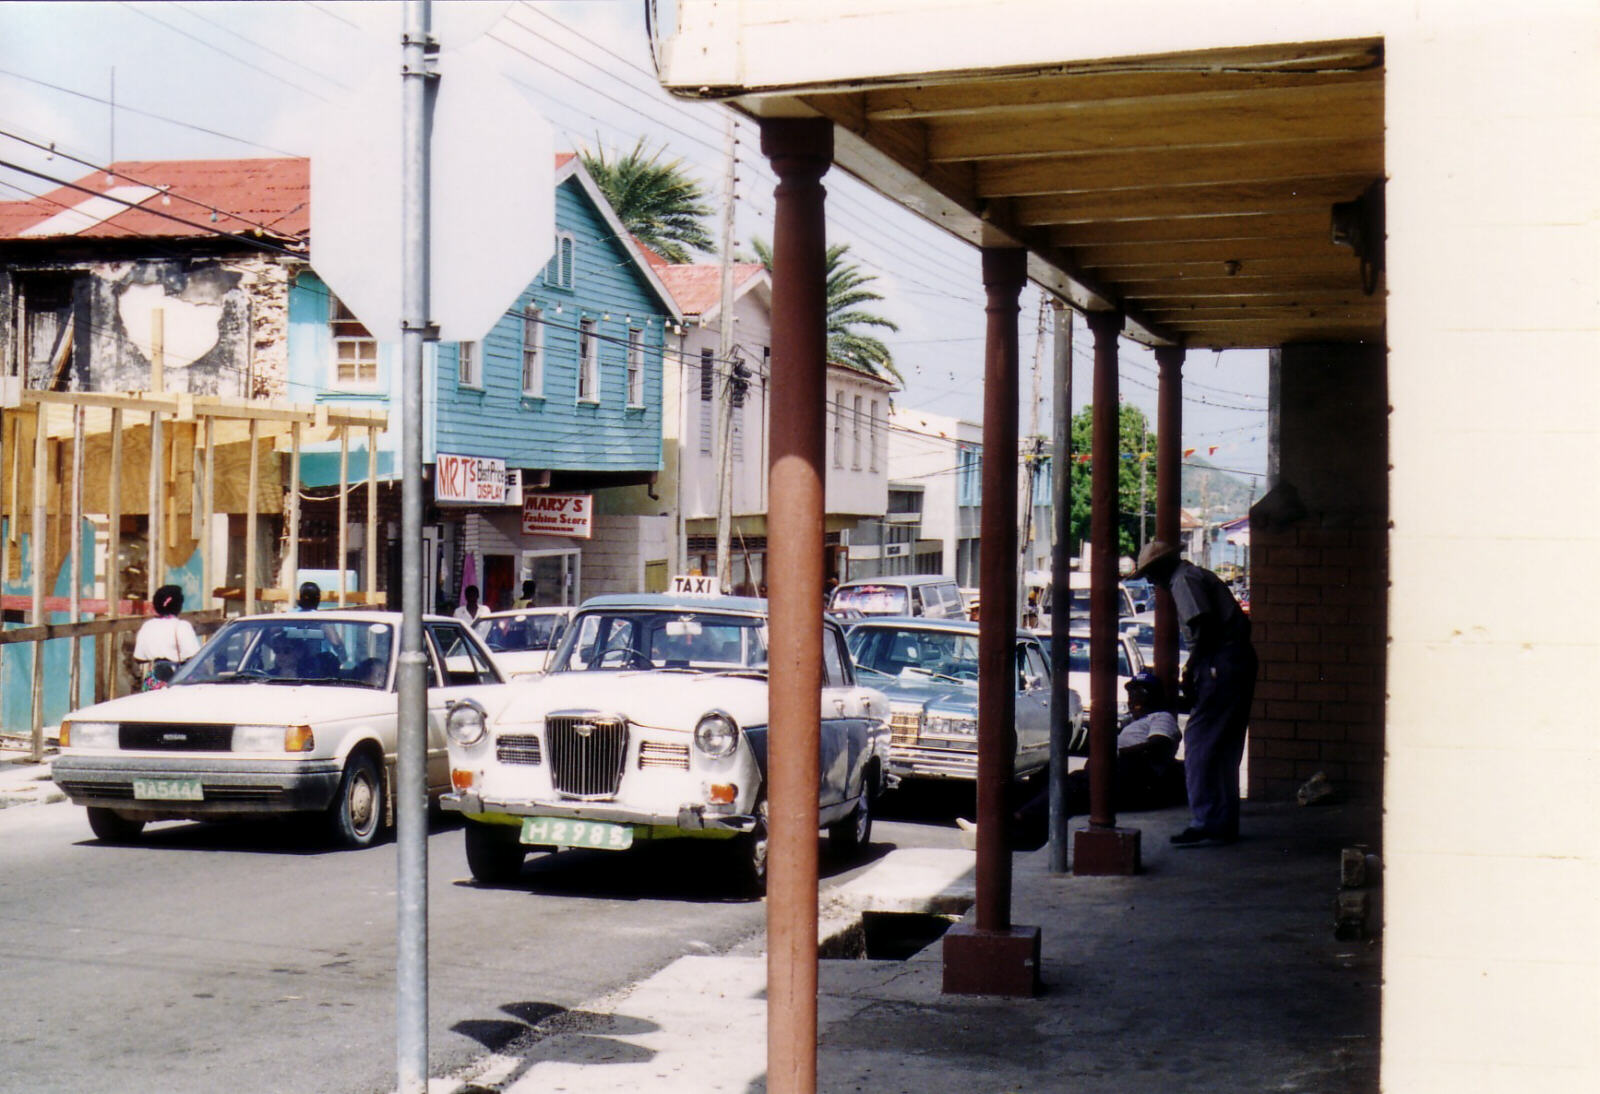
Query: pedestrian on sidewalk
x=1219, y=682
x=471, y=611
x=1146, y=776
x=164, y=641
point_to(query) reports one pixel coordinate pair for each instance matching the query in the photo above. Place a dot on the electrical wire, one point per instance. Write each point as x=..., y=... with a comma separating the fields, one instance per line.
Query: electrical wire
x=231, y=56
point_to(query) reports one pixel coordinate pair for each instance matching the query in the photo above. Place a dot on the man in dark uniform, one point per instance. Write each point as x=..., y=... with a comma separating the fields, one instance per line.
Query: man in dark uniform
x=1220, y=681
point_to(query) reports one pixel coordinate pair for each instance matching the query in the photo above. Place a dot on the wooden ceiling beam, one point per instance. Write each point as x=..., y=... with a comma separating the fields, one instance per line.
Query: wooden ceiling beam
x=1303, y=196
x=1180, y=166
x=1341, y=112
x=1146, y=289
x=1335, y=273
x=974, y=99
x=1207, y=250
x=1192, y=229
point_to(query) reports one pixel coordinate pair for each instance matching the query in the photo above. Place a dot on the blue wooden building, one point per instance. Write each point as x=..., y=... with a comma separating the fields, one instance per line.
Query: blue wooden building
x=528, y=435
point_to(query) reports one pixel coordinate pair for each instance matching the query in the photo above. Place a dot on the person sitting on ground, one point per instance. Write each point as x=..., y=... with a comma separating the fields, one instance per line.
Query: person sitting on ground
x=164, y=641
x=1147, y=774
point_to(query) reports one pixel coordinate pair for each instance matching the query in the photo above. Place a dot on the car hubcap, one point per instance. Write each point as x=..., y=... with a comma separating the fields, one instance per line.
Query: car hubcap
x=361, y=804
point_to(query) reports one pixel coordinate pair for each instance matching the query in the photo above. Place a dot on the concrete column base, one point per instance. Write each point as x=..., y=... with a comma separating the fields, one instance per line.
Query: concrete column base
x=991, y=962
x=1098, y=852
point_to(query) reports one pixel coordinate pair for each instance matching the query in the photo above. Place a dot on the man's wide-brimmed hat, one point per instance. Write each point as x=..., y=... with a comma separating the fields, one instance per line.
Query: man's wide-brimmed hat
x=1154, y=551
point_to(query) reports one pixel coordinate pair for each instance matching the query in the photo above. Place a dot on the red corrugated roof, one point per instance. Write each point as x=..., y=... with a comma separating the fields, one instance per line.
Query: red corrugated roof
x=698, y=287
x=269, y=197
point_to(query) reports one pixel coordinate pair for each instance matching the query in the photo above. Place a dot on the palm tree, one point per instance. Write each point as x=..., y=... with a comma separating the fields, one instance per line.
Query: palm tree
x=847, y=291
x=658, y=202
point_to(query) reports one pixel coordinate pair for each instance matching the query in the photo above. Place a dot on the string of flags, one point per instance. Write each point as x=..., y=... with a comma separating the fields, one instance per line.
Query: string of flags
x=1211, y=450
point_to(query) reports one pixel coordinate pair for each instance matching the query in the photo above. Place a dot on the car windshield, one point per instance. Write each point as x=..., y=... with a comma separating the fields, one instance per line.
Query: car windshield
x=663, y=638
x=1078, y=655
x=298, y=648
x=871, y=599
x=911, y=651
x=513, y=633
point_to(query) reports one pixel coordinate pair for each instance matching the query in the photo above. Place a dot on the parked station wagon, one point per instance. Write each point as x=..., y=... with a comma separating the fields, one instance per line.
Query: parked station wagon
x=929, y=670
x=277, y=714
x=651, y=723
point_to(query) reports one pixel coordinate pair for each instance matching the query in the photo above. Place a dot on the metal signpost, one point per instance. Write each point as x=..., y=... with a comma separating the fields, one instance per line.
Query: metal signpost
x=354, y=216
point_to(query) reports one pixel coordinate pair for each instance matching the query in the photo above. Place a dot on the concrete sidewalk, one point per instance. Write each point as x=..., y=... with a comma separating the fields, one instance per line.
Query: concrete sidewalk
x=1215, y=970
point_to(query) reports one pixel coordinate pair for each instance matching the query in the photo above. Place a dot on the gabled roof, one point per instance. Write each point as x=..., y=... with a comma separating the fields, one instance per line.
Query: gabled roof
x=570, y=167
x=697, y=287
x=170, y=199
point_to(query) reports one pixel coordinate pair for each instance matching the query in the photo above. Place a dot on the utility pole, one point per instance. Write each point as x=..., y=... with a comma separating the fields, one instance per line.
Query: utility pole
x=1060, y=621
x=1030, y=459
x=1144, y=460
x=725, y=362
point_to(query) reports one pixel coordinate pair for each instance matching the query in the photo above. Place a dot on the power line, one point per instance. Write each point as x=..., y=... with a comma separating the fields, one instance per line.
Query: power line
x=145, y=113
x=263, y=48
x=231, y=56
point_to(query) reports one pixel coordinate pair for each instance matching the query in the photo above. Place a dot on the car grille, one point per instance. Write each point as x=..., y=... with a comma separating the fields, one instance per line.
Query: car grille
x=586, y=754
x=656, y=754
x=174, y=737
x=518, y=748
x=903, y=726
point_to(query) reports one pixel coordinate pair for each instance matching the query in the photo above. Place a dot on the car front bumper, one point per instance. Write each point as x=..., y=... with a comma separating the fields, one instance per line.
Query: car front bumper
x=228, y=787
x=690, y=817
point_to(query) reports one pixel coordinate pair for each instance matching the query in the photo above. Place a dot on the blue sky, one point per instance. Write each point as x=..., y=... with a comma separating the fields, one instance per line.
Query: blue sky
x=253, y=79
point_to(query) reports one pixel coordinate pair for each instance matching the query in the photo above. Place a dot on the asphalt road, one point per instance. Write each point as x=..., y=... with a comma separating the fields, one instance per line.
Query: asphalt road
x=250, y=957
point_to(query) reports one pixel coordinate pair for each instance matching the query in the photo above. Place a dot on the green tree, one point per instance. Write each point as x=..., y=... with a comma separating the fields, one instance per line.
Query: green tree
x=847, y=292
x=657, y=201
x=1134, y=439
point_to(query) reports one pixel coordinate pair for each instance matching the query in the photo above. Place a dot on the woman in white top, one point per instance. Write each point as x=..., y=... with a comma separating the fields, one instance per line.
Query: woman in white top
x=164, y=641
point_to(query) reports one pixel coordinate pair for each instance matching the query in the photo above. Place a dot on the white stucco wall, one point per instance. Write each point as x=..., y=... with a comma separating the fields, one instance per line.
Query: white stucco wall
x=922, y=449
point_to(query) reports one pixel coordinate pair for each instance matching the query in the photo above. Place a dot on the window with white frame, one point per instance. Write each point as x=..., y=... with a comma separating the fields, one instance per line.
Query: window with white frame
x=873, y=437
x=355, y=351
x=708, y=391
x=838, y=430
x=562, y=270
x=969, y=475
x=469, y=369
x=855, y=434
x=635, y=367
x=588, y=362
x=532, y=351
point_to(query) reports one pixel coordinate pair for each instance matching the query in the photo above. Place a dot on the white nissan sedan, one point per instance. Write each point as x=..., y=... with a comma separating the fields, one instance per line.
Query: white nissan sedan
x=276, y=714
x=651, y=724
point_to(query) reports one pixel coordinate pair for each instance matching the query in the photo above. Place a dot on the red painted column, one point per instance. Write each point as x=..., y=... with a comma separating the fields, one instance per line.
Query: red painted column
x=801, y=150
x=1169, y=494
x=1105, y=467
x=1005, y=271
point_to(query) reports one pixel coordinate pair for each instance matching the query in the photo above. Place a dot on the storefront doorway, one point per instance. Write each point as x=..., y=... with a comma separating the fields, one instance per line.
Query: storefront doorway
x=555, y=575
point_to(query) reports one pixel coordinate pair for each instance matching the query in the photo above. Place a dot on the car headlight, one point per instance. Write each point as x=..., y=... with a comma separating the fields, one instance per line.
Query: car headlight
x=952, y=726
x=717, y=735
x=280, y=738
x=467, y=723
x=89, y=735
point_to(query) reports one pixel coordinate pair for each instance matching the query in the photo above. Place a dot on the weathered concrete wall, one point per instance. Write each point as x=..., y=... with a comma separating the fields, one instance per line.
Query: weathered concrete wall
x=1319, y=575
x=222, y=329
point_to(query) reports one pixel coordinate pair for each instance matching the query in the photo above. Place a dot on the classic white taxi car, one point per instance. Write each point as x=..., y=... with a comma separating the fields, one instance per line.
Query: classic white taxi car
x=276, y=714
x=652, y=723
x=929, y=670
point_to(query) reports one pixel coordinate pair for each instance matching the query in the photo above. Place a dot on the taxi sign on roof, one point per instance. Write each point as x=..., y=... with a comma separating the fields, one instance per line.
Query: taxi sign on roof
x=695, y=585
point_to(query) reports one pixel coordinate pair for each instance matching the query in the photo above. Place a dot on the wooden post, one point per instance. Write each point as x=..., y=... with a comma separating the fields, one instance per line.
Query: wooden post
x=75, y=541
x=208, y=511
x=114, y=640
x=41, y=461
x=371, y=584
x=250, y=520
x=156, y=567
x=344, y=503
x=291, y=561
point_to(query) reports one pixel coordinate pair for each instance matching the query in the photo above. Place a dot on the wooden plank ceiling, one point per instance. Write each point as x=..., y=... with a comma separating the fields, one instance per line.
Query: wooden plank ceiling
x=1194, y=191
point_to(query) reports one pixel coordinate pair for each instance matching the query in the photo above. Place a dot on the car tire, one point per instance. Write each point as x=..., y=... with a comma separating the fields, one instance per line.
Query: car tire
x=355, y=819
x=110, y=826
x=750, y=854
x=493, y=855
x=850, y=835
